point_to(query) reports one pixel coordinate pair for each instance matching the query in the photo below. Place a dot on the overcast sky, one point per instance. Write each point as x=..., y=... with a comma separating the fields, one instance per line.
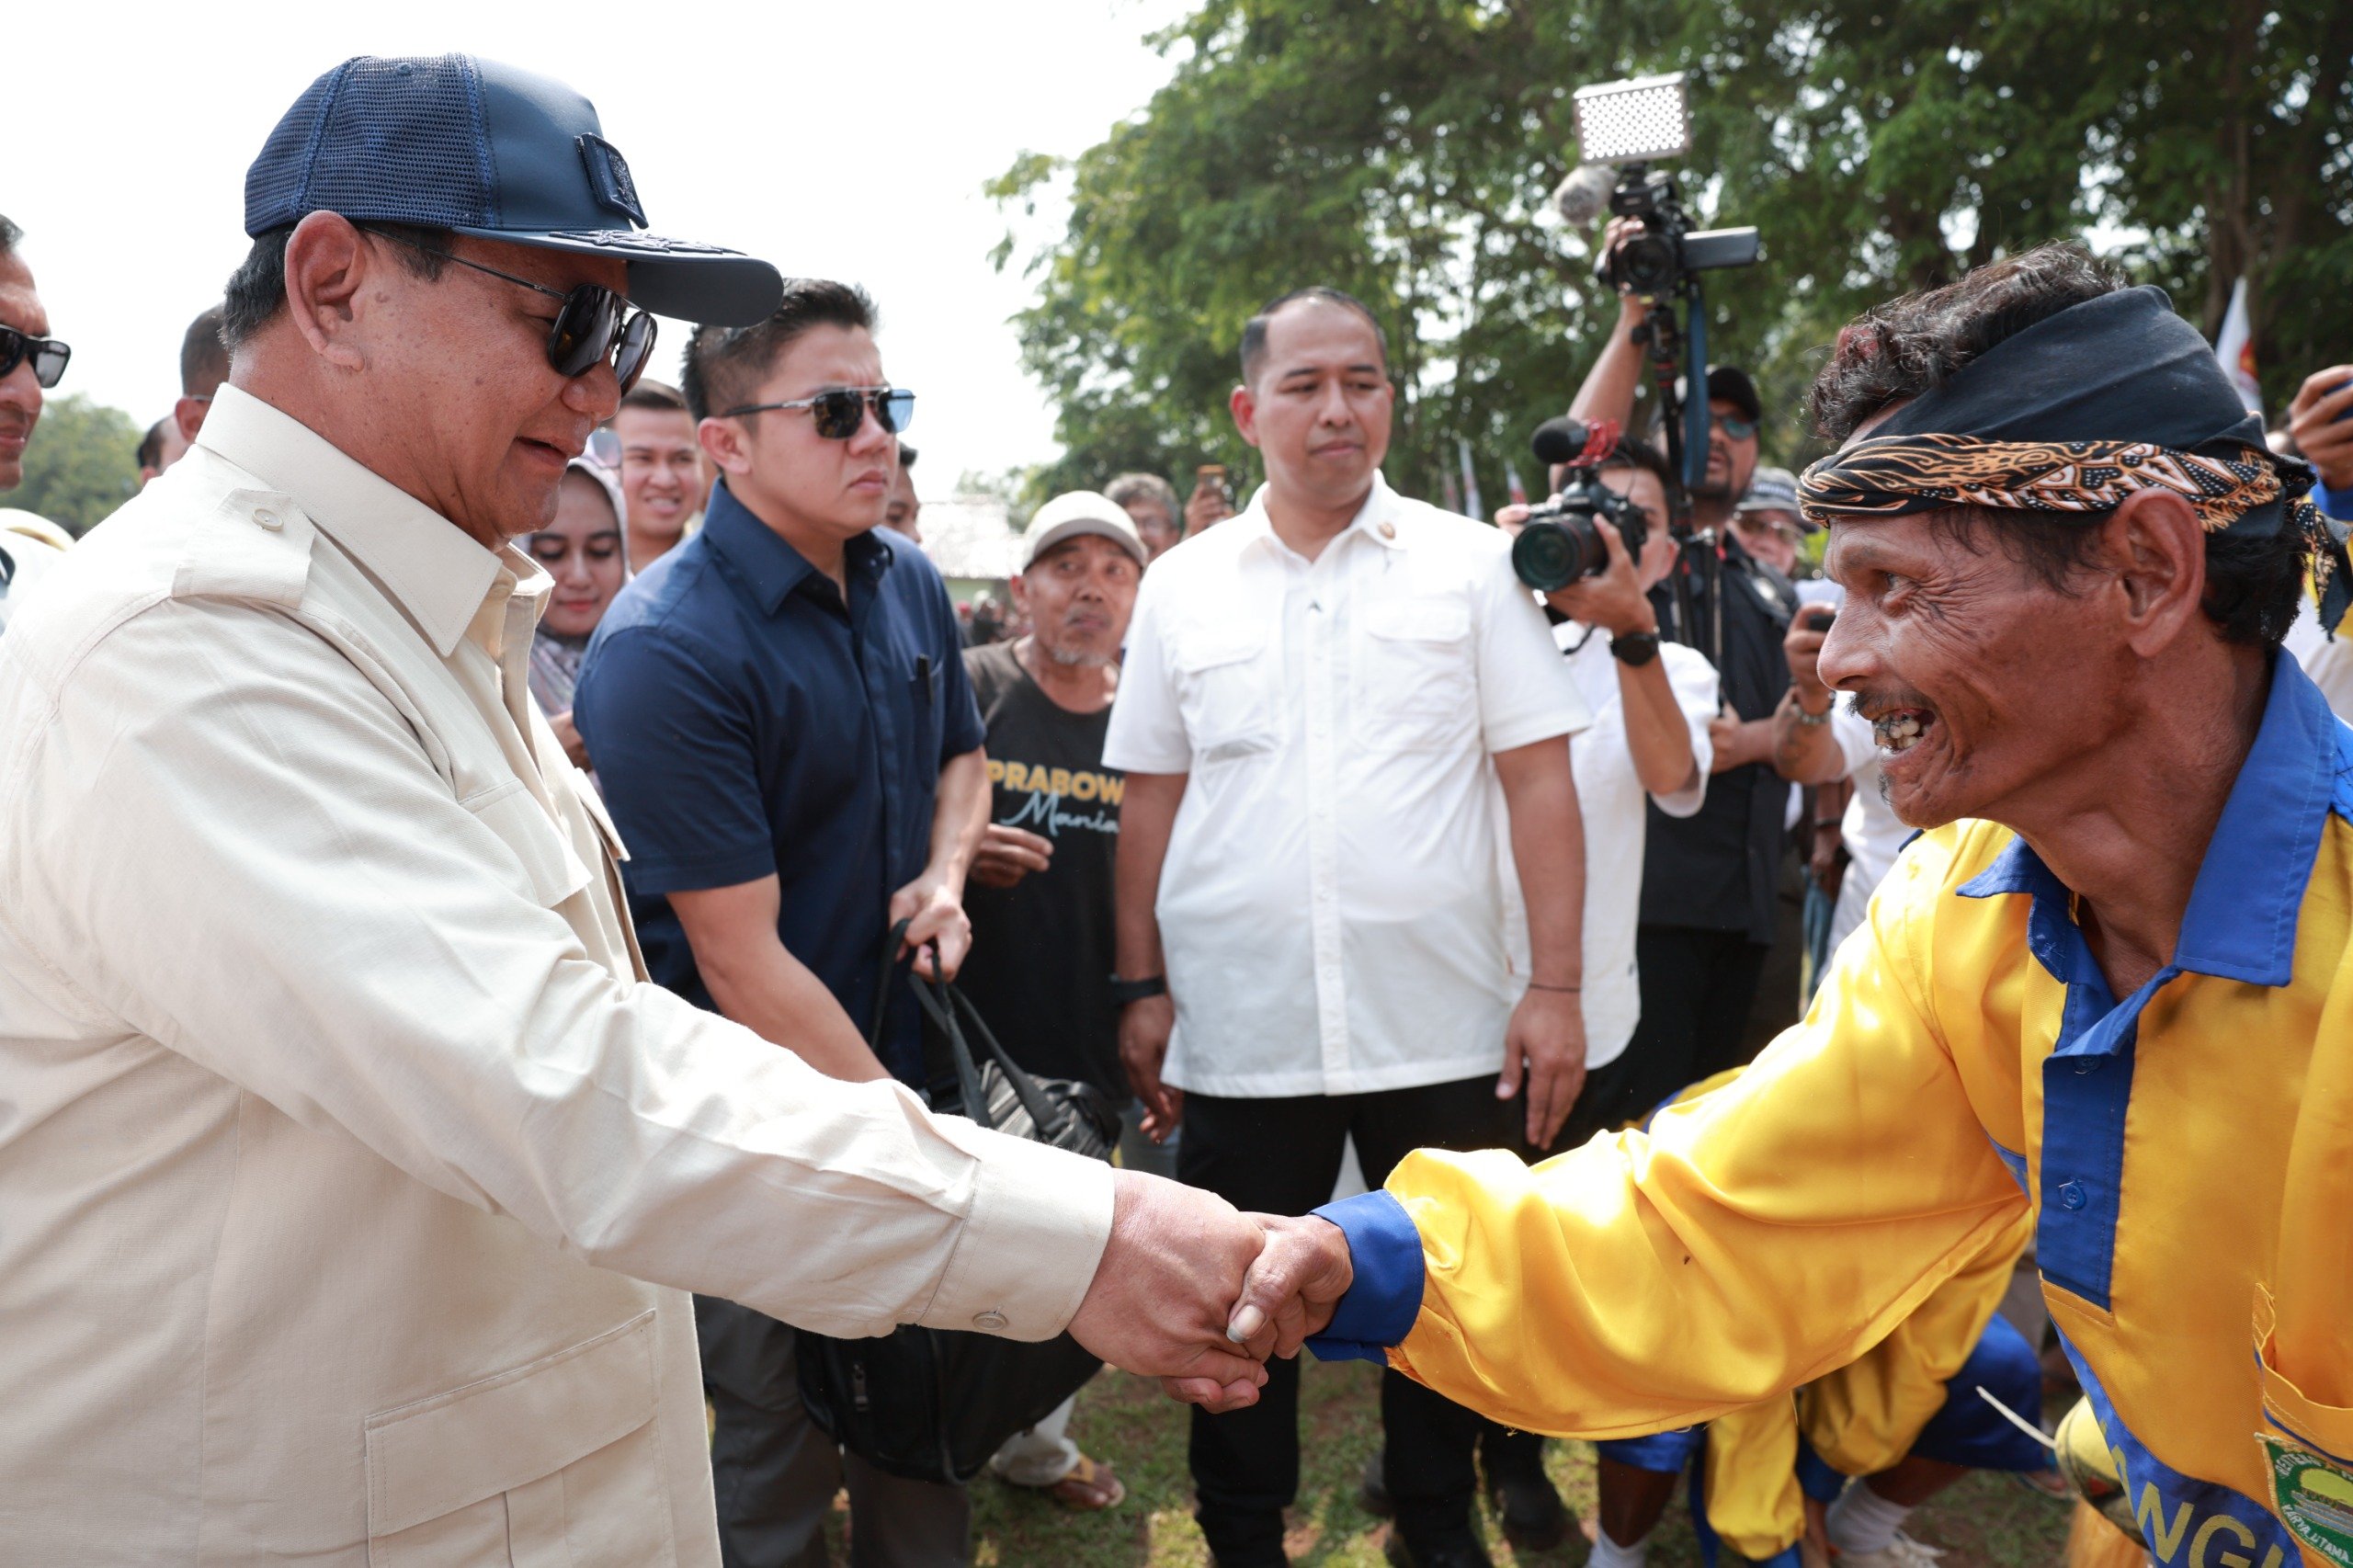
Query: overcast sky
x=846, y=141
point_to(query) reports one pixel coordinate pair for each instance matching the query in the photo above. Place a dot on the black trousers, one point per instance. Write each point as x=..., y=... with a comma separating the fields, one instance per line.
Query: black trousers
x=1698, y=988
x=1281, y=1156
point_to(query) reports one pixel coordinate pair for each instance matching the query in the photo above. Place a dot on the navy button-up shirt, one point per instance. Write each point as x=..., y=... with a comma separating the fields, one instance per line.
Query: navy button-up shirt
x=745, y=721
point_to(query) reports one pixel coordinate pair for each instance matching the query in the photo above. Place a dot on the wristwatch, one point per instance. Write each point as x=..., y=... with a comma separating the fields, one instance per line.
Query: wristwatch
x=1126, y=991
x=1636, y=648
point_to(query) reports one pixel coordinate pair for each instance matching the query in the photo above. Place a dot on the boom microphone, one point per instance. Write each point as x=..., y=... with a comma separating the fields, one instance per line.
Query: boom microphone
x=1584, y=195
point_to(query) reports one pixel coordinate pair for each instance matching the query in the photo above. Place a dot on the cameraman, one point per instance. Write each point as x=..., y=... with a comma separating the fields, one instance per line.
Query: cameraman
x=1710, y=881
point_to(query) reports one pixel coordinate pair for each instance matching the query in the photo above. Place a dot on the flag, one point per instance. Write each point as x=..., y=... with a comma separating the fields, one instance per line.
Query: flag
x=1513, y=487
x=1471, y=506
x=1448, y=491
x=2235, y=349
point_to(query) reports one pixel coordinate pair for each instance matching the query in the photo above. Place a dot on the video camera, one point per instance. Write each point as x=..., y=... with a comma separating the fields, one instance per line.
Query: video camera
x=1562, y=540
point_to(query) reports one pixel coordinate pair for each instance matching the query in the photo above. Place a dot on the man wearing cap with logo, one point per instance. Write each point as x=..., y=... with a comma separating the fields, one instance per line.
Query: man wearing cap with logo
x=1711, y=881
x=337, y=1128
x=2107, y=990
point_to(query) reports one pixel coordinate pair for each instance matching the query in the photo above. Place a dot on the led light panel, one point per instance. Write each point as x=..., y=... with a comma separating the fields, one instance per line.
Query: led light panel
x=1639, y=120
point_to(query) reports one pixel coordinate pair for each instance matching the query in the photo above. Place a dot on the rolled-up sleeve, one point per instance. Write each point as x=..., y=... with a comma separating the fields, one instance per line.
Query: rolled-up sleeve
x=1698, y=695
x=289, y=895
x=1758, y=1237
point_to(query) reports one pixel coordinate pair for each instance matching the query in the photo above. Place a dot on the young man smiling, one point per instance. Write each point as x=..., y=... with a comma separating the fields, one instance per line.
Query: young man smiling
x=784, y=730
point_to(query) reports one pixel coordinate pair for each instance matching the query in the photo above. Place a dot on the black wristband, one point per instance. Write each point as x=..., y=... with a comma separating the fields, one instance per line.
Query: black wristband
x=1636, y=648
x=1126, y=991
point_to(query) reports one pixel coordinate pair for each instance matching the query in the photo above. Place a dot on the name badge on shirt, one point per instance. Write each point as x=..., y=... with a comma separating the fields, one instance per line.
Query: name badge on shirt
x=2312, y=1496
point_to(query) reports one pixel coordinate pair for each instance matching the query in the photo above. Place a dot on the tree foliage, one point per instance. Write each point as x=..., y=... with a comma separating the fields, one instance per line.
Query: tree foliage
x=82, y=462
x=1402, y=149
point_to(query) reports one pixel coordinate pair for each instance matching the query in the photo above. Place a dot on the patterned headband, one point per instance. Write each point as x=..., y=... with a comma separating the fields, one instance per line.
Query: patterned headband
x=1889, y=475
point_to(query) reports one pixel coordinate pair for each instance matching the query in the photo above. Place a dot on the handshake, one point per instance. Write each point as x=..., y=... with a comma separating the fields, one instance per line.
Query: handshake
x=1198, y=1294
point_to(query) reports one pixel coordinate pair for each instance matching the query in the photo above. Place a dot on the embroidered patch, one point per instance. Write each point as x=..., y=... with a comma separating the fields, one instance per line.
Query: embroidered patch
x=609, y=178
x=2313, y=1497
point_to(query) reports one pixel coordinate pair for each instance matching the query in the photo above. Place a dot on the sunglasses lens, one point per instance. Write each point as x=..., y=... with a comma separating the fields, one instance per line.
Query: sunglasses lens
x=584, y=329
x=636, y=348
x=839, y=414
x=13, y=345
x=898, y=410
x=48, y=363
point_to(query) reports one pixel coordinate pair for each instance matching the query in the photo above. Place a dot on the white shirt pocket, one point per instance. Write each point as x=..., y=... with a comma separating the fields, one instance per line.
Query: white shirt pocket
x=1415, y=682
x=1223, y=690
x=554, y=1461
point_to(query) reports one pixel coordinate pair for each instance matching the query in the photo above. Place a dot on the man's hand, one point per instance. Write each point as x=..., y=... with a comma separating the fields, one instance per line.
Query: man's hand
x=1144, y=1029
x=1008, y=854
x=1294, y=1286
x=1208, y=505
x=1164, y=1294
x=1738, y=740
x=569, y=735
x=934, y=911
x=1613, y=601
x=1801, y=646
x=2321, y=419
x=1547, y=1037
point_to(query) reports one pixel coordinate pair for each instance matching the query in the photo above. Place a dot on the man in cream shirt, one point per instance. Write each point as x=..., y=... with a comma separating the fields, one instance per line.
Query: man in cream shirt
x=337, y=1132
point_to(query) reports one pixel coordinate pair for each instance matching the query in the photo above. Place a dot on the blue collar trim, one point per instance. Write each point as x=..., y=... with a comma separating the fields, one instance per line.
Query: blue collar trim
x=2241, y=923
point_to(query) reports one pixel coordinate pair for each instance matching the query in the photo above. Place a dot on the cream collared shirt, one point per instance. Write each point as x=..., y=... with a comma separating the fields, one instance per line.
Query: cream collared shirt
x=1330, y=908
x=338, y=1130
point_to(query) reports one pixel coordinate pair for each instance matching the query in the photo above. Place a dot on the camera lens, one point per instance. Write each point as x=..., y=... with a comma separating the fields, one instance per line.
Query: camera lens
x=1547, y=556
x=1646, y=263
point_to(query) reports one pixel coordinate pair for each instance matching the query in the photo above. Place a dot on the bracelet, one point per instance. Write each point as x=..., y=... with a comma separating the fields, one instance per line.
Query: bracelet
x=1534, y=986
x=1124, y=991
x=1821, y=822
x=1806, y=716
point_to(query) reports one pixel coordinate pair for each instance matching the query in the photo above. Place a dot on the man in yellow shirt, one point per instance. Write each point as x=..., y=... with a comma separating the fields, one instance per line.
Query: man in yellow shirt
x=2107, y=989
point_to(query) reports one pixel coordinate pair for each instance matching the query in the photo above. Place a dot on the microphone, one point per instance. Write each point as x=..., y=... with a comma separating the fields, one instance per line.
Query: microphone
x=1584, y=195
x=1572, y=441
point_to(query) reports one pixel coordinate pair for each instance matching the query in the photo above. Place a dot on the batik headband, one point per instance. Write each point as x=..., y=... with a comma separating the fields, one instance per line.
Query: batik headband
x=1889, y=476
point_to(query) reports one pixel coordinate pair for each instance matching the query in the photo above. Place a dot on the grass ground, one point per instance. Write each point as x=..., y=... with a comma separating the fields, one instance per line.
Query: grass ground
x=1988, y=1521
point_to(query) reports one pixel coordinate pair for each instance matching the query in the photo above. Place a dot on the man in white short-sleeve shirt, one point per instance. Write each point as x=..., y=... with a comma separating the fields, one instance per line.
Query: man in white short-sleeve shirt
x=1322, y=700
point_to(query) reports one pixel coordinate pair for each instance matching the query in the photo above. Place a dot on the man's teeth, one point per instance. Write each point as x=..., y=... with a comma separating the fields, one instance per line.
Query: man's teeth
x=1898, y=730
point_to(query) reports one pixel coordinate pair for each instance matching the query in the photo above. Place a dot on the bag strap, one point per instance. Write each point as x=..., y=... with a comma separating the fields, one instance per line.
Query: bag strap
x=950, y=1010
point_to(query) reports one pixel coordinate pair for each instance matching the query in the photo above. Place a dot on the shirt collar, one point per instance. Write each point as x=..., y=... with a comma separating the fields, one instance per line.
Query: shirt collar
x=2241, y=923
x=431, y=568
x=768, y=565
x=1373, y=519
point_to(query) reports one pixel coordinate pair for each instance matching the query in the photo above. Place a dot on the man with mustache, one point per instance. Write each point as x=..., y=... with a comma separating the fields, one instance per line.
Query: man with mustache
x=2106, y=989
x=355, y=1175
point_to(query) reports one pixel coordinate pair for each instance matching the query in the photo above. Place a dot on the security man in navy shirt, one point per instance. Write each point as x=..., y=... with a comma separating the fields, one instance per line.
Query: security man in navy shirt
x=787, y=741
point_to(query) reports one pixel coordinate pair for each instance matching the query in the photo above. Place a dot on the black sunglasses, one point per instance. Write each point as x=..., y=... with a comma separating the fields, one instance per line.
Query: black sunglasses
x=48, y=356
x=1737, y=429
x=594, y=321
x=839, y=414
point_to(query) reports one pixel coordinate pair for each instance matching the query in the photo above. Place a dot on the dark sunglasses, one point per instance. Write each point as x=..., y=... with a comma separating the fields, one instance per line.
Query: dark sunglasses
x=595, y=323
x=839, y=414
x=1738, y=429
x=48, y=356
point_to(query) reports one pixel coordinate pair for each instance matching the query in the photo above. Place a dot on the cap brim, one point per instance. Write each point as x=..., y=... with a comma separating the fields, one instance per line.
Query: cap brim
x=704, y=284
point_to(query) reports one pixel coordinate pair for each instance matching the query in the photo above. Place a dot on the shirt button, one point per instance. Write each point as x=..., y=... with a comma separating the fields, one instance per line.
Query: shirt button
x=2071, y=1195
x=2087, y=1064
x=268, y=519
x=990, y=1322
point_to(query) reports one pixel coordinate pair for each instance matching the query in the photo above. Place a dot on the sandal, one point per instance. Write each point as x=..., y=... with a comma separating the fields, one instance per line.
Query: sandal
x=1089, y=1488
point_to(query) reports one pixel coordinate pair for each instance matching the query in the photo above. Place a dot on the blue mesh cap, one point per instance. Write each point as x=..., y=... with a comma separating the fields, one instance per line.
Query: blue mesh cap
x=482, y=148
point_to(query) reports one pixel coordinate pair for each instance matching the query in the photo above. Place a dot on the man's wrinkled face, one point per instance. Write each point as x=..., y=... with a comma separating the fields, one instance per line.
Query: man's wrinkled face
x=838, y=488
x=1078, y=597
x=661, y=470
x=1981, y=680
x=20, y=394
x=1318, y=405
x=459, y=364
x=1769, y=536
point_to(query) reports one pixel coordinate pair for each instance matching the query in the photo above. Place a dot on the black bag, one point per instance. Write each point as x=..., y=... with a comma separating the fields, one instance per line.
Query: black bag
x=932, y=1404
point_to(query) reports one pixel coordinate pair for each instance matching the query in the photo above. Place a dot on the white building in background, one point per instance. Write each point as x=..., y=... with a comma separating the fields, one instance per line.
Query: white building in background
x=971, y=538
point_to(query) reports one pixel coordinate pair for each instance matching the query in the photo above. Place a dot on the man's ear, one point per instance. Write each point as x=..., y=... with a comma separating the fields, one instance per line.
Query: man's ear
x=1245, y=414
x=726, y=443
x=189, y=414
x=2155, y=547
x=327, y=264
x=1020, y=585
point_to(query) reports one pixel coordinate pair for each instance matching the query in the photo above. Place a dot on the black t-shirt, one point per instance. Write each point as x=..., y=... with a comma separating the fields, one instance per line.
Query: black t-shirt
x=1718, y=870
x=1040, y=967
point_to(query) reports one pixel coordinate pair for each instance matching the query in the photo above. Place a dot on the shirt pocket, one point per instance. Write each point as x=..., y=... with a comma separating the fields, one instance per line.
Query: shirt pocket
x=538, y=864
x=1415, y=684
x=556, y=1461
x=1223, y=691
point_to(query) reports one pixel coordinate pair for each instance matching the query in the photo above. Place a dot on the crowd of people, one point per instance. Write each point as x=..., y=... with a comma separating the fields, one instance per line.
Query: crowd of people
x=1295, y=830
